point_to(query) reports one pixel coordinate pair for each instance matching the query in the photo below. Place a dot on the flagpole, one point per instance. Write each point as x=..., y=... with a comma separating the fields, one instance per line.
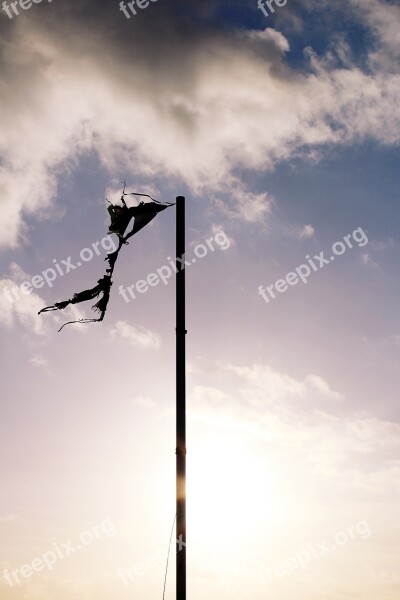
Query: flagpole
x=180, y=403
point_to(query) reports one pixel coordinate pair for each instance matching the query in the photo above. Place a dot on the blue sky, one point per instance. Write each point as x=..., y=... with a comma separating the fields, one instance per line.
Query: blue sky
x=283, y=134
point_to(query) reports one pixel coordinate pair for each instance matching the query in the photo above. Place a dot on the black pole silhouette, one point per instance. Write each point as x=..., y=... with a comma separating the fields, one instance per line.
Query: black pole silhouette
x=180, y=402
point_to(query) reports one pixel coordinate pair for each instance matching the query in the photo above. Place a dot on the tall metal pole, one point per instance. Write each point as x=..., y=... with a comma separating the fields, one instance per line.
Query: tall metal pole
x=180, y=403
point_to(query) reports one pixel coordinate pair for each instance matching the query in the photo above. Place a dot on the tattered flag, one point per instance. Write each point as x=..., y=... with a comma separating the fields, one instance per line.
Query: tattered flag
x=121, y=217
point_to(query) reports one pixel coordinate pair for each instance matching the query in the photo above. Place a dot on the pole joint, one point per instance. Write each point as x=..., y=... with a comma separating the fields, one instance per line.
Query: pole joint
x=181, y=451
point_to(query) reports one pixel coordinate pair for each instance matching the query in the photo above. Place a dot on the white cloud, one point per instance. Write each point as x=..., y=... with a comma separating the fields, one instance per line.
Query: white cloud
x=275, y=386
x=17, y=307
x=244, y=108
x=352, y=449
x=269, y=35
x=137, y=336
x=384, y=19
x=20, y=308
x=209, y=394
x=38, y=361
x=320, y=385
x=247, y=206
x=307, y=232
x=144, y=401
x=215, y=229
x=367, y=260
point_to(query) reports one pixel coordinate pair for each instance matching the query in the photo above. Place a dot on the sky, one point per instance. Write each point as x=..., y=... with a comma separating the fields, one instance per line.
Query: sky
x=282, y=131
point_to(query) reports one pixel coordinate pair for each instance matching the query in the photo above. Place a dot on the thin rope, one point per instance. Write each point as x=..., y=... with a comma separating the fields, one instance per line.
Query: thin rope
x=169, y=550
x=145, y=195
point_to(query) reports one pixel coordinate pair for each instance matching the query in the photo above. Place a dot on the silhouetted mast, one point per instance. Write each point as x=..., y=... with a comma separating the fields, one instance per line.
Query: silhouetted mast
x=180, y=403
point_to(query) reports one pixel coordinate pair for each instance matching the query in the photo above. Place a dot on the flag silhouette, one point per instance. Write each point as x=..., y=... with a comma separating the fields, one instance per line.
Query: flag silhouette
x=121, y=217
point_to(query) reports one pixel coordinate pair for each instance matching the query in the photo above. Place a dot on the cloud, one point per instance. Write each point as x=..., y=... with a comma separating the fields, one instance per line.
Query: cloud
x=213, y=103
x=307, y=232
x=303, y=417
x=384, y=19
x=277, y=386
x=209, y=394
x=137, y=336
x=144, y=401
x=276, y=39
x=19, y=308
x=368, y=261
x=247, y=206
x=321, y=386
x=38, y=361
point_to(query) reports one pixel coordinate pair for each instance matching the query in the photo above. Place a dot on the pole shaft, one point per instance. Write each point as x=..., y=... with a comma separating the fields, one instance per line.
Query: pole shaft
x=180, y=403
